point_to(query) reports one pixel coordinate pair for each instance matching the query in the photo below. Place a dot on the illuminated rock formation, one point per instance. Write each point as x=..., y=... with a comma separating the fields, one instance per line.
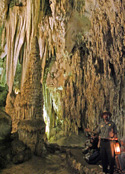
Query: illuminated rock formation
x=81, y=46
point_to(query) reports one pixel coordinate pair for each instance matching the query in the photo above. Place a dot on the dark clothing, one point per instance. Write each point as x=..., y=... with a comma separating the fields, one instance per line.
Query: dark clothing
x=94, y=142
x=107, y=155
x=93, y=152
x=107, y=131
x=95, y=157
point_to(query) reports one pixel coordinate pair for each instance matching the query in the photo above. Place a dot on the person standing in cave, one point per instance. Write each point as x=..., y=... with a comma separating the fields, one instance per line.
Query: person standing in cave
x=108, y=135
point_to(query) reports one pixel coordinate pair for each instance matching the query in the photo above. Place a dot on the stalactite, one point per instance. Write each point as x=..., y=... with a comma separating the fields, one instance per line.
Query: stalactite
x=81, y=53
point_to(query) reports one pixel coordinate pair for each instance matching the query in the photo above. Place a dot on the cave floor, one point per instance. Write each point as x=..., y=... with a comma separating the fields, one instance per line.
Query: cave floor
x=71, y=141
x=52, y=164
x=57, y=162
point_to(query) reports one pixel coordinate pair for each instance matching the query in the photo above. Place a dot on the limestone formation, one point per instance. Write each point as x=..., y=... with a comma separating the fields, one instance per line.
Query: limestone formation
x=5, y=133
x=5, y=125
x=20, y=152
x=78, y=59
x=32, y=133
x=3, y=10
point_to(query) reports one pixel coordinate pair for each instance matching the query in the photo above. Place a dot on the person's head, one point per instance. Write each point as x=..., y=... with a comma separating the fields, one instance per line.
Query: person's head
x=123, y=141
x=106, y=115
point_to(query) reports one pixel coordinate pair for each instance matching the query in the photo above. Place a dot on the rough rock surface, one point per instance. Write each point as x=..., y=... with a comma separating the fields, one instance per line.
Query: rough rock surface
x=20, y=152
x=32, y=133
x=5, y=125
x=82, y=49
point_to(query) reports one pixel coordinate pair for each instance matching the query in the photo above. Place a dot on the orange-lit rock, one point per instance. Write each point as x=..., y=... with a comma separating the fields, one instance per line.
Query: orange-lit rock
x=81, y=47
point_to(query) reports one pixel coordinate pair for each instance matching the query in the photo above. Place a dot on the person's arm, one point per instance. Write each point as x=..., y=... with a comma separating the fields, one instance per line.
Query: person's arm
x=87, y=130
x=95, y=131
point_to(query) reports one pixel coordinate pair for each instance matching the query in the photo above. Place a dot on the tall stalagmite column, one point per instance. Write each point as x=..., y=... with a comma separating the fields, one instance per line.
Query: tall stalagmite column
x=31, y=129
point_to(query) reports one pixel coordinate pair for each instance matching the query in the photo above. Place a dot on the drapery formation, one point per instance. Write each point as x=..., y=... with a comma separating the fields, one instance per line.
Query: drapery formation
x=81, y=47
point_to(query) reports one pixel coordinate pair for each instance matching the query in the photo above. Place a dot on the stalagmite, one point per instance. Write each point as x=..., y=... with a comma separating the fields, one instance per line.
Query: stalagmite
x=81, y=51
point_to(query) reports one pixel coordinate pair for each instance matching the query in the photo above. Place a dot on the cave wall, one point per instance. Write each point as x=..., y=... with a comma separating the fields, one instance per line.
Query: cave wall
x=81, y=47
